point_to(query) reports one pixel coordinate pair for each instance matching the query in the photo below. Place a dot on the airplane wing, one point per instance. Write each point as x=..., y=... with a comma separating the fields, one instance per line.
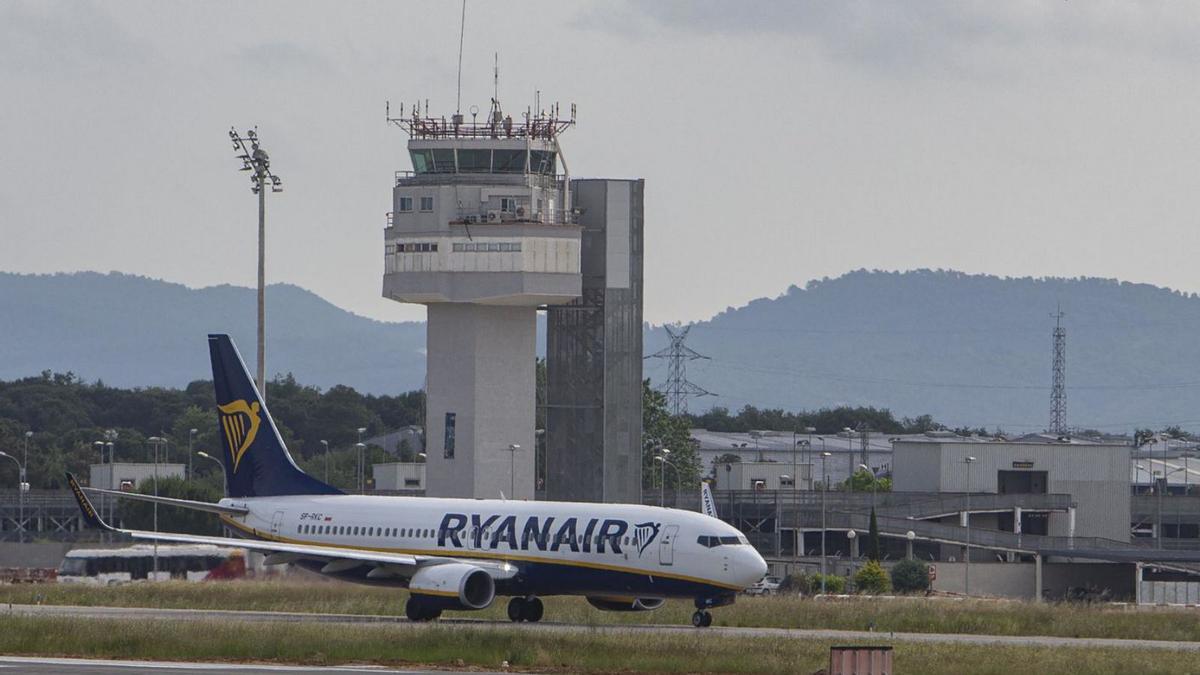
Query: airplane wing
x=336, y=557
x=168, y=501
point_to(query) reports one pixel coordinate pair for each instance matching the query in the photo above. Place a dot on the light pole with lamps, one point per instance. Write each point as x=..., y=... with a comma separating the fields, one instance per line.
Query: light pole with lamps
x=22, y=486
x=326, y=444
x=824, y=490
x=910, y=536
x=967, y=558
x=512, y=469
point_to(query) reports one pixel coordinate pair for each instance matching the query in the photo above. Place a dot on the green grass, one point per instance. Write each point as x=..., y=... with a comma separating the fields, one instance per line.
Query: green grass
x=916, y=615
x=531, y=649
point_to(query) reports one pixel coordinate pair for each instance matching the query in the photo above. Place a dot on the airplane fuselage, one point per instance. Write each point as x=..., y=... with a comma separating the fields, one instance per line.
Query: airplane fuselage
x=550, y=548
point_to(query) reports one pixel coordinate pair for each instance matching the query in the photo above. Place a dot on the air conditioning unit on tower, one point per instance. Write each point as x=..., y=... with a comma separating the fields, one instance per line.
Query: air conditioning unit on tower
x=521, y=212
x=493, y=216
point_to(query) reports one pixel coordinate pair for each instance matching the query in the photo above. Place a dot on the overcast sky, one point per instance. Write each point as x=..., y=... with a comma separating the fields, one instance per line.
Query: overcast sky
x=780, y=142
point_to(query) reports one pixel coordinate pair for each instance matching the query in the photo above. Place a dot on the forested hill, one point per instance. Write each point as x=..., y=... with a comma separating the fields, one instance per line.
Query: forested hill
x=132, y=331
x=968, y=349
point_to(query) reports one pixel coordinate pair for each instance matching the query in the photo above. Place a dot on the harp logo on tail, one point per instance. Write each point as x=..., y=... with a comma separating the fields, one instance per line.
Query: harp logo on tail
x=239, y=421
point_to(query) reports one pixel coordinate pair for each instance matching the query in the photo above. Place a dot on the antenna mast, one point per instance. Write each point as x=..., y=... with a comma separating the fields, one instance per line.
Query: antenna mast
x=462, y=29
x=1058, y=389
x=677, y=387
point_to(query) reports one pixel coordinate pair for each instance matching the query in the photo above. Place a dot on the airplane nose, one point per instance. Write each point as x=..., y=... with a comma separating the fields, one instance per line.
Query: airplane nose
x=754, y=565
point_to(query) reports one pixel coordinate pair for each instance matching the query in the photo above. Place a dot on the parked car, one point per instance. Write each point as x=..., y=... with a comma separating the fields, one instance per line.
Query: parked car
x=768, y=585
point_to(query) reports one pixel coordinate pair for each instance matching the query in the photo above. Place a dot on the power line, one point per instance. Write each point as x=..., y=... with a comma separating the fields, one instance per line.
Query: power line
x=677, y=387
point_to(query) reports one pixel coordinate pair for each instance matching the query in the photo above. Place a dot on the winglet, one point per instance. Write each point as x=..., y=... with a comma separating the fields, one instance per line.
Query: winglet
x=708, y=505
x=85, y=505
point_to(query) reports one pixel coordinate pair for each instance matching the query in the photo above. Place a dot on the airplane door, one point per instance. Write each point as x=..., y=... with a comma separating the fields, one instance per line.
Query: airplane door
x=666, y=546
x=277, y=522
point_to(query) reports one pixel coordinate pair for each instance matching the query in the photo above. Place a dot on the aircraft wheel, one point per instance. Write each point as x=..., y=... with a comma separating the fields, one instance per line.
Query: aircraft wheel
x=414, y=610
x=707, y=620
x=532, y=610
x=516, y=609
x=701, y=619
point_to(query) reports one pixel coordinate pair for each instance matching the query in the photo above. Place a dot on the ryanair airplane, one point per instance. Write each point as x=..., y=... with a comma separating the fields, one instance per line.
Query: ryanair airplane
x=453, y=554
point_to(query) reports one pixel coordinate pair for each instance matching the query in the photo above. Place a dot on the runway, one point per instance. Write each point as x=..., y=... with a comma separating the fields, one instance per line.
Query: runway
x=725, y=631
x=51, y=666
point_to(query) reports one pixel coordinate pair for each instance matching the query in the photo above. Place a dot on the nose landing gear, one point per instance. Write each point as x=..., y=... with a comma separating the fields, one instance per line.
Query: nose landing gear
x=525, y=609
x=701, y=619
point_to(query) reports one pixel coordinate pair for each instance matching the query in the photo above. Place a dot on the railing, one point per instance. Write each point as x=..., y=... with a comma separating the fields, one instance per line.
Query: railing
x=543, y=181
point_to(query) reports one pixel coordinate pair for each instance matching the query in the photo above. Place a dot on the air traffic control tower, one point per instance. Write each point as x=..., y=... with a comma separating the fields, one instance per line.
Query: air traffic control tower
x=484, y=231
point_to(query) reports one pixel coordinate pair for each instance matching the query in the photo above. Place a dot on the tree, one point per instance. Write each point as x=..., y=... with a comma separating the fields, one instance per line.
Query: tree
x=873, y=538
x=662, y=430
x=910, y=576
x=865, y=481
x=721, y=460
x=872, y=579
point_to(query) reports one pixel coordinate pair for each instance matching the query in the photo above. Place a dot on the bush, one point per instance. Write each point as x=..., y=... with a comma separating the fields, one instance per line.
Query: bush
x=833, y=583
x=795, y=583
x=872, y=579
x=910, y=576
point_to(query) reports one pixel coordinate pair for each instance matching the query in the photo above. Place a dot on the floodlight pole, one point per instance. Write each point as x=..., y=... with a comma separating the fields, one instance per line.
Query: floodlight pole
x=256, y=160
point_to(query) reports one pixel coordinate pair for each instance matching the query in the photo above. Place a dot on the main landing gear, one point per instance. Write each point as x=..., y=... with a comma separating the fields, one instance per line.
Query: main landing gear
x=416, y=610
x=525, y=609
x=701, y=619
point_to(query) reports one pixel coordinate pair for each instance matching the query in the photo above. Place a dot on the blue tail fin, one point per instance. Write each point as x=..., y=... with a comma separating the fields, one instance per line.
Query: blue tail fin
x=257, y=463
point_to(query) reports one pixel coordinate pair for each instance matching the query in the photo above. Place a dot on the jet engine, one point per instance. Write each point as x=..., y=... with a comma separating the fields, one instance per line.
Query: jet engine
x=613, y=604
x=453, y=586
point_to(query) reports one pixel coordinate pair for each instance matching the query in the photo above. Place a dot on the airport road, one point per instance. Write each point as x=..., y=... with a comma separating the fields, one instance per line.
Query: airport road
x=53, y=666
x=806, y=634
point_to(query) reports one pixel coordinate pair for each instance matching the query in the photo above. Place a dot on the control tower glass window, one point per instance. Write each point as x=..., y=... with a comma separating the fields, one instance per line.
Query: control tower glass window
x=433, y=161
x=474, y=161
x=508, y=161
x=542, y=161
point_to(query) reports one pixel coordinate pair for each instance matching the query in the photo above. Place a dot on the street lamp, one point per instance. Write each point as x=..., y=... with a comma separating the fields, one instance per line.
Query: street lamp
x=866, y=468
x=191, y=442
x=967, y=570
x=255, y=159
x=205, y=455
x=824, y=491
x=326, y=444
x=910, y=536
x=156, y=441
x=361, y=468
x=662, y=478
x=22, y=487
x=512, y=469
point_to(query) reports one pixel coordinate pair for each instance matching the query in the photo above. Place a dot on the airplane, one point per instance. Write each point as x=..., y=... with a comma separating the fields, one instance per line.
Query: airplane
x=451, y=554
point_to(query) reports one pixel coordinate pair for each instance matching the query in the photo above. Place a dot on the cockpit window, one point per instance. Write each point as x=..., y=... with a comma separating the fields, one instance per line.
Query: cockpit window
x=710, y=541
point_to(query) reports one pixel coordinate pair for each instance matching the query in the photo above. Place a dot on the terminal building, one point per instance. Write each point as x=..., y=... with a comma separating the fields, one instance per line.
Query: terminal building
x=484, y=232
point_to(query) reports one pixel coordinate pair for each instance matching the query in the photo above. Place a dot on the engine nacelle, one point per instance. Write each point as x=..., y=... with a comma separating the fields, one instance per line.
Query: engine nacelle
x=614, y=604
x=454, y=586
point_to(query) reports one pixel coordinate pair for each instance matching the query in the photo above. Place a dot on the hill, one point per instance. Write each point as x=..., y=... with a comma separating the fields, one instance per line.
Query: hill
x=134, y=331
x=968, y=349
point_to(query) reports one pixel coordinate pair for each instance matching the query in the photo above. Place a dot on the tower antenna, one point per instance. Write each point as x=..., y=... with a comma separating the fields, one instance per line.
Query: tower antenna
x=677, y=387
x=1058, y=389
x=462, y=29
